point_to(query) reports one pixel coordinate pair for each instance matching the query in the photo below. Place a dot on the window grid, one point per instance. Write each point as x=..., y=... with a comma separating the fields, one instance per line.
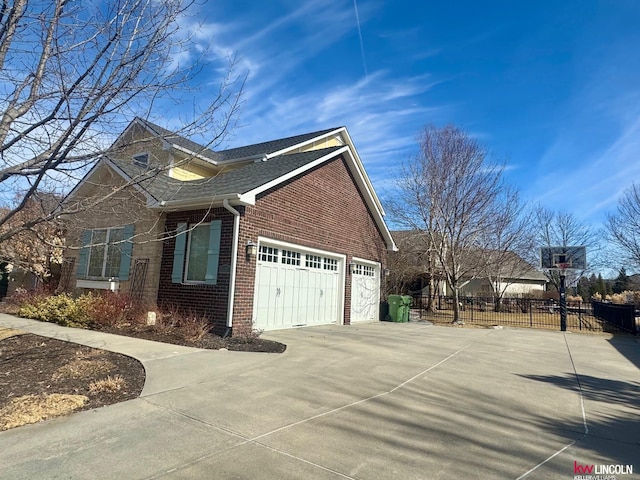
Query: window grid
x=104, y=253
x=313, y=261
x=268, y=254
x=330, y=264
x=364, y=270
x=290, y=257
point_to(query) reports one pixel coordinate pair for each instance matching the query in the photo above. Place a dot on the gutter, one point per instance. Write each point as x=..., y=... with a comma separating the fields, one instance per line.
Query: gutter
x=195, y=203
x=234, y=264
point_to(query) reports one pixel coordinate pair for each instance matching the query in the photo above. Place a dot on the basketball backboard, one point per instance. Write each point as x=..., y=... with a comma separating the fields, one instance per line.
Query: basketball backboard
x=574, y=258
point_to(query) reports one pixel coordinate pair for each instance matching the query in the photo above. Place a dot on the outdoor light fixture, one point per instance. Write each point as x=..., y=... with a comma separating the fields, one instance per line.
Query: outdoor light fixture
x=252, y=249
x=352, y=267
x=386, y=272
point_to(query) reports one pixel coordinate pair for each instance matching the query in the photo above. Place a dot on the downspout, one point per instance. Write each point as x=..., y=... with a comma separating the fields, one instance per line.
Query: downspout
x=234, y=263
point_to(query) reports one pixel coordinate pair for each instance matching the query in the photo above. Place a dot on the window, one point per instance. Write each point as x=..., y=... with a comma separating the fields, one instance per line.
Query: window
x=141, y=160
x=268, y=254
x=331, y=264
x=197, y=246
x=313, y=261
x=105, y=253
x=290, y=257
x=365, y=270
x=196, y=253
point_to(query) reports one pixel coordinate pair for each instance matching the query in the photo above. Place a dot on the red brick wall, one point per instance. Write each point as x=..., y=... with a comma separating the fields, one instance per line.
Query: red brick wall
x=209, y=300
x=321, y=209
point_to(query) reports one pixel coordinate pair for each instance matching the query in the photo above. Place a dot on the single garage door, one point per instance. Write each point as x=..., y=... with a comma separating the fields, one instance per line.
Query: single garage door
x=296, y=287
x=365, y=291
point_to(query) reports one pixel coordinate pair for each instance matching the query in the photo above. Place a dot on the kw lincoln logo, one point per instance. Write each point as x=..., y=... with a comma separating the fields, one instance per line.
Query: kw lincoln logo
x=600, y=472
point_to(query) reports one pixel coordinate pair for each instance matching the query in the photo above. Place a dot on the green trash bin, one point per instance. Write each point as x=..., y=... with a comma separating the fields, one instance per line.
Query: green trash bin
x=396, y=308
x=406, y=303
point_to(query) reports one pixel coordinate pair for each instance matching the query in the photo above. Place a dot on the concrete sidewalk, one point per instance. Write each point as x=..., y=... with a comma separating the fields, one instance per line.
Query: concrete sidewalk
x=367, y=401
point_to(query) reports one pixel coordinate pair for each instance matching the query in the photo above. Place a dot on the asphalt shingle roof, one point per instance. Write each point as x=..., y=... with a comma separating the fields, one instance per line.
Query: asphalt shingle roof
x=240, y=180
x=181, y=141
x=270, y=146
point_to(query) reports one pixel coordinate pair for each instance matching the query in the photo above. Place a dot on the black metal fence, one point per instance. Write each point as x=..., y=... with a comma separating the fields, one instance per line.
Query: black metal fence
x=519, y=312
x=623, y=316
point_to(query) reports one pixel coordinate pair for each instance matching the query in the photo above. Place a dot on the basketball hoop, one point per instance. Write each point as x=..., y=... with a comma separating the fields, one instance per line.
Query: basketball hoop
x=563, y=267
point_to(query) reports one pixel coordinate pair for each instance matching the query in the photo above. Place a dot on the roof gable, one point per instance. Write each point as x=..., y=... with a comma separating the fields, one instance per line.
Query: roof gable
x=273, y=147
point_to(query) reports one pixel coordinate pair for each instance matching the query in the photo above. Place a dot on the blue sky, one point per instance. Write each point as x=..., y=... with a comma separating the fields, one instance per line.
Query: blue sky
x=550, y=87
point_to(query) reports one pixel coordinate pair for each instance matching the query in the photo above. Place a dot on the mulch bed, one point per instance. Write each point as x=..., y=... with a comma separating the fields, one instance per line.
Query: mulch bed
x=208, y=341
x=30, y=365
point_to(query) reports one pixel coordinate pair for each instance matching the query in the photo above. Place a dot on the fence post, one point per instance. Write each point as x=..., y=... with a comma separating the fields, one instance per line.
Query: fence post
x=530, y=314
x=579, y=315
x=471, y=309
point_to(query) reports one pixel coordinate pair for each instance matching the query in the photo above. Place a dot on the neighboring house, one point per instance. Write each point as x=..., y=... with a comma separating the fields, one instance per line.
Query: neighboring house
x=511, y=276
x=273, y=235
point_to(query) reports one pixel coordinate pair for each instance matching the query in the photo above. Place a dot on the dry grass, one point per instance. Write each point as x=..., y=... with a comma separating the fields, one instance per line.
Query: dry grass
x=83, y=368
x=109, y=385
x=35, y=408
x=9, y=332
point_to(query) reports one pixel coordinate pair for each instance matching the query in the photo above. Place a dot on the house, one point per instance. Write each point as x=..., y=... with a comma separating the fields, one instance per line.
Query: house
x=511, y=277
x=273, y=235
x=486, y=272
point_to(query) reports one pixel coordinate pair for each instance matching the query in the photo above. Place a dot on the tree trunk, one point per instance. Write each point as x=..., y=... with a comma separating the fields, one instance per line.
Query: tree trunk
x=456, y=306
x=430, y=308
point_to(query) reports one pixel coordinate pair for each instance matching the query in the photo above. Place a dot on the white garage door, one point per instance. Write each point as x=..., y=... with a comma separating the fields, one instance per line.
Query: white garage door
x=365, y=292
x=296, y=287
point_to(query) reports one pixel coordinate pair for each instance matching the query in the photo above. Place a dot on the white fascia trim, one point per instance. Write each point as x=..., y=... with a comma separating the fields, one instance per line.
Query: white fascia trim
x=199, y=156
x=233, y=199
x=360, y=165
x=362, y=180
x=250, y=196
x=296, y=246
x=110, y=164
x=364, y=261
x=302, y=144
x=150, y=200
x=81, y=182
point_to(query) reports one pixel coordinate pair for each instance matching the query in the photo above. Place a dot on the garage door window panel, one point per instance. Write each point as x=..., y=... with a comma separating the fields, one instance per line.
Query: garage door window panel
x=289, y=257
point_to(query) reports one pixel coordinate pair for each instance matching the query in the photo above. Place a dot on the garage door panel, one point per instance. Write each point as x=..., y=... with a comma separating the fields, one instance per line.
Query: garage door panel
x=365, y=293
x=295, y=288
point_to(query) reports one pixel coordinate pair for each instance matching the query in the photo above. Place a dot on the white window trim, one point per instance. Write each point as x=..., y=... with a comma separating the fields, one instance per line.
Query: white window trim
x=100, y=278
x=112, y=285
x=191, y=228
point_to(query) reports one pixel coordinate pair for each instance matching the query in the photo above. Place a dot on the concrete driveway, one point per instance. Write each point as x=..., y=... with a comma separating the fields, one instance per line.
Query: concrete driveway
x=371, y=401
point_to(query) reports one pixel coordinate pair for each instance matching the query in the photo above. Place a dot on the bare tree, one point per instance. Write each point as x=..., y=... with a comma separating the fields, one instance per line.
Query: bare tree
x=452, y=193
x=72, y=74
x=563, y=229
x=623, y=226
x=508, y=243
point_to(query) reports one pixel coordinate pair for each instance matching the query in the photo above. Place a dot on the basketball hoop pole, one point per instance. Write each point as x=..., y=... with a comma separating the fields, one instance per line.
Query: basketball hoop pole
x=563, y=300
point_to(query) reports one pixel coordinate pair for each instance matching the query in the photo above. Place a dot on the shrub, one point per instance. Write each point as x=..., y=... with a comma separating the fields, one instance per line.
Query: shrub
x=247, y=336
x=106, y=308
x=20, y=297
x=60, y=309
x=193, y=327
